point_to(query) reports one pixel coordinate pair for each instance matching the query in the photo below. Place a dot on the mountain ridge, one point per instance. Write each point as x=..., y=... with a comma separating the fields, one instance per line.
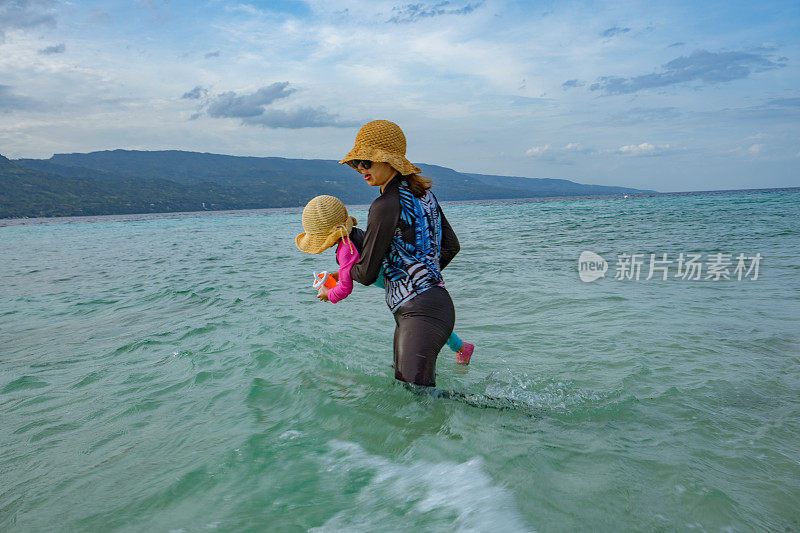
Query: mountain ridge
x=143, y=181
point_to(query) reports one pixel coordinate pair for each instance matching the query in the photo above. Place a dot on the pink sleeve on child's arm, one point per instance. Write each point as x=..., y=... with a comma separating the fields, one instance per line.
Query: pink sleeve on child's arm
x=346, y=260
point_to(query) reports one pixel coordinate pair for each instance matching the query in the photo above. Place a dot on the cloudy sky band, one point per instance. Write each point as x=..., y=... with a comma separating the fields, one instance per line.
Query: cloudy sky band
x=494, y=87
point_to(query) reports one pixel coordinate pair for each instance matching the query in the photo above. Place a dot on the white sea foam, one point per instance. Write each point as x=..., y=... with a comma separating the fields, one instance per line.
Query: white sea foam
x=410, y=494
x=544, y=394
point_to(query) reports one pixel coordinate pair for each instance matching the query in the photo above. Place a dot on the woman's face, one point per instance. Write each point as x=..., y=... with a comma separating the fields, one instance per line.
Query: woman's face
x=378, y=174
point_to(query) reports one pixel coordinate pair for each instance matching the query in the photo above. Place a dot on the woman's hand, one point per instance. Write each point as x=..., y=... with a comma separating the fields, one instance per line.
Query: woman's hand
x=322, y=294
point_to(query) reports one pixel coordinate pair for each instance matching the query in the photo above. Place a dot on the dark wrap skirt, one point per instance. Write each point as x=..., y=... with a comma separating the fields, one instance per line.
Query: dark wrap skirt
x=423, y=325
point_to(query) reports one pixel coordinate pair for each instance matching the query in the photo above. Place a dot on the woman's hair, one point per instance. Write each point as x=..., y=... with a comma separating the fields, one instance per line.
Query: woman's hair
x=417, y=184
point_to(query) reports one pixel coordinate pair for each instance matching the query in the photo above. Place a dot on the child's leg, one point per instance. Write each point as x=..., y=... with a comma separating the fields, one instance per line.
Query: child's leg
x=463, y=349
x=454, y=342
x=379, y=282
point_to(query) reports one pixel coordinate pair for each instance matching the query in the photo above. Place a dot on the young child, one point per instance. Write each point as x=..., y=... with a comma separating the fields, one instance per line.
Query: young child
x=326, y=222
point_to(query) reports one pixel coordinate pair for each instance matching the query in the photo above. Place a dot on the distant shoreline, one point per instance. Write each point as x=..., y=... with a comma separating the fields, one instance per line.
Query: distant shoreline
x=273, y=211
x=131, y=181
x=621, y=196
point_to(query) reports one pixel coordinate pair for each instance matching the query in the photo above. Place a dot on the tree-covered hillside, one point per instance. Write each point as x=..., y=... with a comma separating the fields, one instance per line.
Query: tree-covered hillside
x=127, y=181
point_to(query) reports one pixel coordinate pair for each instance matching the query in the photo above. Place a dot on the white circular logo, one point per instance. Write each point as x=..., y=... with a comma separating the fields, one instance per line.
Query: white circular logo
x=591, y=266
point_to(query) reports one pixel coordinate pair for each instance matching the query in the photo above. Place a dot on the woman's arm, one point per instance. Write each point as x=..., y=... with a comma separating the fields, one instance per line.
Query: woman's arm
x=450, y=245
x=381, y=223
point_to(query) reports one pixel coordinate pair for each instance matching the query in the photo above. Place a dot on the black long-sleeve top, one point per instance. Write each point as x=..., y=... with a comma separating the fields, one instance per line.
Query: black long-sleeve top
x=383, y=220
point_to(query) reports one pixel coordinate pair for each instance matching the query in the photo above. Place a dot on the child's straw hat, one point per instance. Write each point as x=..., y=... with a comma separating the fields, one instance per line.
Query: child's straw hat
x=325, y=221
x=382, y=141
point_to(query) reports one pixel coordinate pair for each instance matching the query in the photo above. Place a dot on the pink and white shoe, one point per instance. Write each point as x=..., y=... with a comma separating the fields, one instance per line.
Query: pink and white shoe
x=465, y=353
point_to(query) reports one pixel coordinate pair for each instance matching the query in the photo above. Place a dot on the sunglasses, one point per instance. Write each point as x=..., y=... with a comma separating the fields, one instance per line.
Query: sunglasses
x=366, y=163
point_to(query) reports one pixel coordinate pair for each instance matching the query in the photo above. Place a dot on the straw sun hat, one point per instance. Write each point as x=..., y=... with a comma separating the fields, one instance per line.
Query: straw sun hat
x=384, y=142
x=325, y=221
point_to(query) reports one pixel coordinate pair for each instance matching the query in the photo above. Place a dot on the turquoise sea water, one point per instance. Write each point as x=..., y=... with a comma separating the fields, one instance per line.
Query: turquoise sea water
x=176, y=373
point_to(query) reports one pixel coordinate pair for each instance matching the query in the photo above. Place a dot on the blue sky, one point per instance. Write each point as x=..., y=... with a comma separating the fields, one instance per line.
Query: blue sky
x=668, y=96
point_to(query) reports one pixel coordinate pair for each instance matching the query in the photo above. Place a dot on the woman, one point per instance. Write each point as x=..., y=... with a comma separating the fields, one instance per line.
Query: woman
x=409, y=235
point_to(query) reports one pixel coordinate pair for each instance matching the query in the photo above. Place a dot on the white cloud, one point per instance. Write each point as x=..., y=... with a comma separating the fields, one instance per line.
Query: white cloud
x=638, y=149
x=648, y=149
x=558, y=155
x=536, y=151
x=244, y=8
x=26, y=14
x=755, y=148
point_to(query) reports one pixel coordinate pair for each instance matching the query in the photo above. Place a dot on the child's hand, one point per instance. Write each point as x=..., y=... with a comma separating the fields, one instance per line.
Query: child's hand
x=335, y=275
x=322, y=294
